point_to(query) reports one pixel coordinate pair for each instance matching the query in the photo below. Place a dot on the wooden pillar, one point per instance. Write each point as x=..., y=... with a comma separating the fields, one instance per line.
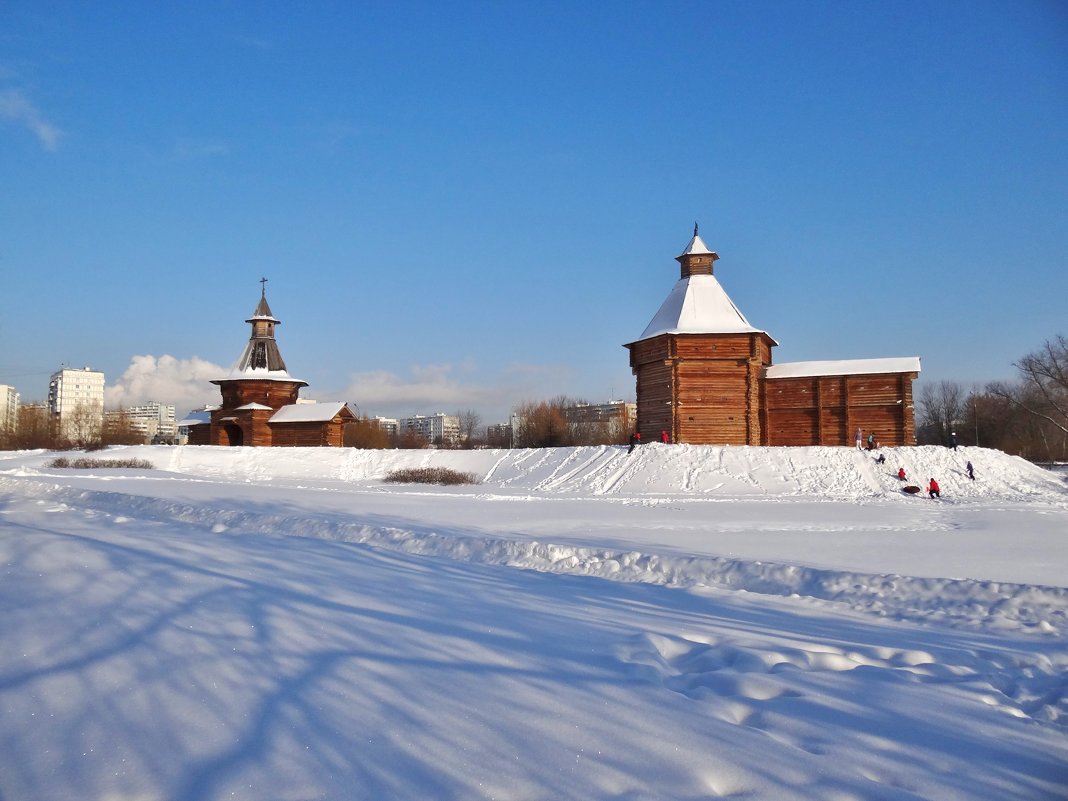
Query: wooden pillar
x=819, y=410
x=850, y=429
x=674, y=393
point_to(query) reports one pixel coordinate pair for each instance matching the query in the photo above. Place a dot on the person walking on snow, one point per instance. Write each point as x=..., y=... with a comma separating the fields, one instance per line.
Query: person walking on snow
x=953, y=440
x=901, y=474
x=860, y=438
x=635, y=439
x=971, y=471
x=932, y=489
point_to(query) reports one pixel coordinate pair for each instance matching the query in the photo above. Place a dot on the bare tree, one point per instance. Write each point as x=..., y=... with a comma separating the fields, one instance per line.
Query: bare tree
x=543, y=424
x=470, y=420
x=1043, y=388
x=941, y=408
x=81, y=427
x=365, y=433
x=119, y=430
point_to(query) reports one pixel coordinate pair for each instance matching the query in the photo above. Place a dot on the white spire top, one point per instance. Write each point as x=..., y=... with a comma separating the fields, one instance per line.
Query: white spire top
x=697, y=245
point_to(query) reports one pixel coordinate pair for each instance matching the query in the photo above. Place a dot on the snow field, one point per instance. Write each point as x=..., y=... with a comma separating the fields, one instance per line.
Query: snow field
x=281, y=624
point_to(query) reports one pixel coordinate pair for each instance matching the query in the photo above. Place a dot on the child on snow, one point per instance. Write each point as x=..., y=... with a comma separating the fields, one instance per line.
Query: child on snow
x=932, y=489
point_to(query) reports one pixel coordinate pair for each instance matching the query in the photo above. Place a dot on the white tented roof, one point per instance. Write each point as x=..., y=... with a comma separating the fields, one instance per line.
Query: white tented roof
x=307, y=412
x=698, y=305
x=255, y=407
x=697, y=246
x=900, y=364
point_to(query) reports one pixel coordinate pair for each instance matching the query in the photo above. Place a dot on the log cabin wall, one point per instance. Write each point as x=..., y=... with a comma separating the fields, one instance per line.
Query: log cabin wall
x=275, y=394
x=701, y=388
x=199, y=434
x=241, y=427
x=826, y=410
x=308, y=434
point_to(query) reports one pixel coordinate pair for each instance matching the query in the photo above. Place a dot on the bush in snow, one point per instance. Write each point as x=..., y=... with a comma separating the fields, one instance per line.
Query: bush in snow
x=89, y=464
x=430, y=475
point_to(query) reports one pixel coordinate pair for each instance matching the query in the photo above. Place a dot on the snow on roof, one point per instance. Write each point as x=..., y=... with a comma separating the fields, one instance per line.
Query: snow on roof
x=197, y=417
x=698, y=305
x=696, y=246
x=902, y=364
x=255, y=407
x=258, y=374
x=307, y=412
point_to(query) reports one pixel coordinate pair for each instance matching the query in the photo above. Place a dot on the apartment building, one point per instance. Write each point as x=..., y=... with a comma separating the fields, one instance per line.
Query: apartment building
x=615, y=416
x=437, y=429
x=9, y=408
x=153, y=420
x=76, y=402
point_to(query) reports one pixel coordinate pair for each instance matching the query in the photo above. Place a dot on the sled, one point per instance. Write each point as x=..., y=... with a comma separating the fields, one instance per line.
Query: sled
x=911, y=489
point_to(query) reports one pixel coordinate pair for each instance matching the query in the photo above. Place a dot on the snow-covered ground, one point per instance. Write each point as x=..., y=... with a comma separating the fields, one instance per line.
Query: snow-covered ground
x=677, y=623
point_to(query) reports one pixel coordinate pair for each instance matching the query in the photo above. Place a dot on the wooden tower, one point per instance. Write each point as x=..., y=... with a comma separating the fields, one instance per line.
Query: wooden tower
x=257, y=386
x=699, y=364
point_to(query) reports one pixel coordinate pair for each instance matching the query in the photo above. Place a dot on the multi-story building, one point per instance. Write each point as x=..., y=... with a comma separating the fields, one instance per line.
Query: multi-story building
x=437, y=429
x=388, y=424
x=76, y=402
x=615, y=417
x=9, y=408
x=499, y=435
x=153, y=420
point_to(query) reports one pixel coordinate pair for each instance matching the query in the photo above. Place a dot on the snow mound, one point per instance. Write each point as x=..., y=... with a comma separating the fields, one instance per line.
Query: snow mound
x=653, y=469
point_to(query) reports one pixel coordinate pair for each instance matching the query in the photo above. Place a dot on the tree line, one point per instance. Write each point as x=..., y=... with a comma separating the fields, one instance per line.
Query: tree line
x=82, y=429
x=1027, y=417
x=538, y=424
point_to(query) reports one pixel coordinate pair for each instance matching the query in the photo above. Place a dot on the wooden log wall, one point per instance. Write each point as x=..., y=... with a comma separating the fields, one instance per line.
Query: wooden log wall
x=276, y=394
x=199, y=434
x=308, y=434
x=827, y=410
x=241, y=427
x=701, y=388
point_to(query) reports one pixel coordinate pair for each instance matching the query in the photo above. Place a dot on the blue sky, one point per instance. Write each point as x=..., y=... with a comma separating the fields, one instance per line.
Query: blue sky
x=469, y=205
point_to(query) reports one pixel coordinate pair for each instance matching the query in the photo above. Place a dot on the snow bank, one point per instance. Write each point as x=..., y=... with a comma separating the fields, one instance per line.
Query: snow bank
x=688, y=470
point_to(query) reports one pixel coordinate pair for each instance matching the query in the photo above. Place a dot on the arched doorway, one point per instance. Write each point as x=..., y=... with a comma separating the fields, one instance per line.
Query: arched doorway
x=234, y=435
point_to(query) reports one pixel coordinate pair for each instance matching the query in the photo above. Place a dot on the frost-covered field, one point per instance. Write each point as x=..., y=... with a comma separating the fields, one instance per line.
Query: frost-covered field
x=678, y=623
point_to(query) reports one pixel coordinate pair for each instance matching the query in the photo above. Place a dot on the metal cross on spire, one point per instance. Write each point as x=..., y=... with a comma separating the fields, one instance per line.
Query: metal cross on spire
x=263, y=287
x=695, y=228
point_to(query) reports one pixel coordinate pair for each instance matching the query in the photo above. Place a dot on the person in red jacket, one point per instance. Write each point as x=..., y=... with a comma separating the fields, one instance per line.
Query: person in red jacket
x=901, y=474
x=664, y=437
x=932, y=489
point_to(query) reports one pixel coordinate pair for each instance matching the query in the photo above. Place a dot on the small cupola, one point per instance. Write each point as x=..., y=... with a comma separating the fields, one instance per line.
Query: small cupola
x=697, y=259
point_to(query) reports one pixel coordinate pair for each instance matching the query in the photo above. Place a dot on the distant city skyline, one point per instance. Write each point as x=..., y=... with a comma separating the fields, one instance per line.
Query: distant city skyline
x=475, y=205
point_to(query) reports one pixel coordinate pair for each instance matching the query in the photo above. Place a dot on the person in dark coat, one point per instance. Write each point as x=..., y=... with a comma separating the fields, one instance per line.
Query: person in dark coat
x=933, y=490
x=971, y=471
x=871, y=440
x=953, y=440
x=881, y=459
x=635, y=439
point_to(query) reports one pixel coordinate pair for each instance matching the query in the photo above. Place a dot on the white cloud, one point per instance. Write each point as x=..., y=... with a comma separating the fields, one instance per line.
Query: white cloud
x=16, y=107
x=182, y=382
